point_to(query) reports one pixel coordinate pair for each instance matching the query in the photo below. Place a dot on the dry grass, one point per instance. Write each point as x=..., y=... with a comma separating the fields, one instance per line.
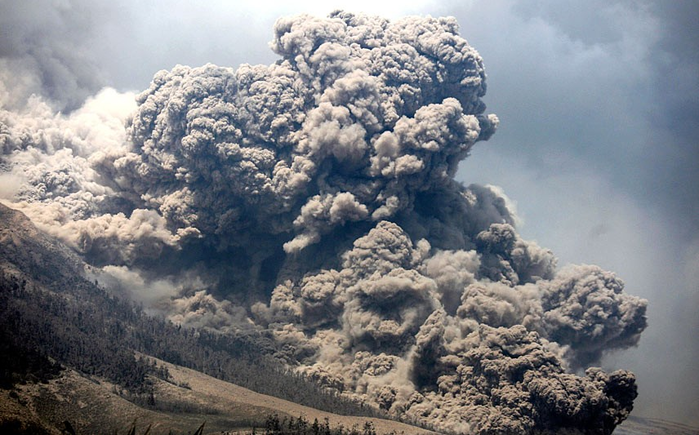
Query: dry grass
x=229, y=397
x=190, y=398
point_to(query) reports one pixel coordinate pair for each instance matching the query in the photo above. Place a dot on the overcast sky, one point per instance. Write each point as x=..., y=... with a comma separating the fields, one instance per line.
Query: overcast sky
x=598, y=143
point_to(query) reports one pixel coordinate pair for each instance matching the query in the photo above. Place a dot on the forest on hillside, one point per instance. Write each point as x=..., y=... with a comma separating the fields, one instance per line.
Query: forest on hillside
x=66, y=320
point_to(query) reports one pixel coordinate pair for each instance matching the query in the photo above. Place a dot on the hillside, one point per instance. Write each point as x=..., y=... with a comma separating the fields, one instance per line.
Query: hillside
x=69, y=351
x=182, y=404
x=52, y=317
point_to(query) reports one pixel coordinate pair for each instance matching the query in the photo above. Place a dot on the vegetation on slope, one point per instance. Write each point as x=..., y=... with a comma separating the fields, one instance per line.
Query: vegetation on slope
x=50, y=314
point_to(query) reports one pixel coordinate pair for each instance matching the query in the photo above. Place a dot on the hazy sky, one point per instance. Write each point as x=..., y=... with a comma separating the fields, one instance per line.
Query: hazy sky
x=598, y=143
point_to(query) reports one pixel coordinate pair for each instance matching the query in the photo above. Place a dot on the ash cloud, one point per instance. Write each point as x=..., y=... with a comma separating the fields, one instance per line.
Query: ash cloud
x=44, y=50
x=315, y=198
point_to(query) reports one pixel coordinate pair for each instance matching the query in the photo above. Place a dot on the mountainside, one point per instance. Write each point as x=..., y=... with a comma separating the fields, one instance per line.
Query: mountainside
x=184, y=402
x=51, y=317
x=72, y=352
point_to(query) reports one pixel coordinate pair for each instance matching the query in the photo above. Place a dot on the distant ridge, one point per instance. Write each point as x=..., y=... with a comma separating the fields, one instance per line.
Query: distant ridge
x=641, y=426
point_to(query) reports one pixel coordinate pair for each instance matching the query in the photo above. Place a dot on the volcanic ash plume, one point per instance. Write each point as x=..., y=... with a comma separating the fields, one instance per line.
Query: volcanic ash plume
x=324, y=185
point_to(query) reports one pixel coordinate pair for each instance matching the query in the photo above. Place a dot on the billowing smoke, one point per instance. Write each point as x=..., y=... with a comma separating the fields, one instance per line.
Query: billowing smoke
x=44, y=49
x=315, y=198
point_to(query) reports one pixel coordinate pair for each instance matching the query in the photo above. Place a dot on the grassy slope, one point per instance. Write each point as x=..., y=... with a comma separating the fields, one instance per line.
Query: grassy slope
x=225, y=395
x=93, y=407
x=31, y=257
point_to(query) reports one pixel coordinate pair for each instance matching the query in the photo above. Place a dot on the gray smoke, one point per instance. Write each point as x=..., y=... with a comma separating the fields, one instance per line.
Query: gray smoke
x=315, y=198
x=44, y=50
